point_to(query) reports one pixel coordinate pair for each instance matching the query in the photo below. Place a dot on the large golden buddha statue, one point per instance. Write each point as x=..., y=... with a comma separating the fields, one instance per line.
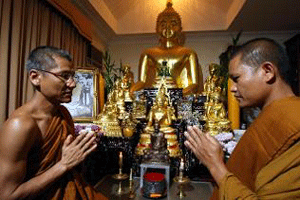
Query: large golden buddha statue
x=181, y=62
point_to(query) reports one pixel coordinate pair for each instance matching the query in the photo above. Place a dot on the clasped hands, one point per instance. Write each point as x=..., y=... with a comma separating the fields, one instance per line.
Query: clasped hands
x=75, y=150
x=208, y=150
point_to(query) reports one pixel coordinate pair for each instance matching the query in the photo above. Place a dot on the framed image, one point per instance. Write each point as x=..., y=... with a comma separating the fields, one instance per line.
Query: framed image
x=84, y=104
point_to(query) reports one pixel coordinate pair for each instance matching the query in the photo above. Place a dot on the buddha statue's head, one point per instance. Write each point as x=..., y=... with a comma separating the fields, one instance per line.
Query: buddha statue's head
x=213, y=68
x=161, y=96
x=168, y=24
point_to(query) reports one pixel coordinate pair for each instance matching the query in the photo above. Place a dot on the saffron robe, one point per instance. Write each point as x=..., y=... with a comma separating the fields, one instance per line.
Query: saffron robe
x=265, y=163
x=71, y=185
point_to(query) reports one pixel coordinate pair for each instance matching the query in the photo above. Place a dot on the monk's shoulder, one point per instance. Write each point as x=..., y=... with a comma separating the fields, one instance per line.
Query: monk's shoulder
x=20, y=129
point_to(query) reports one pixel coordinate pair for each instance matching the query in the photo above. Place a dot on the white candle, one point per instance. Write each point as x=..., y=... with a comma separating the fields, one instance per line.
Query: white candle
x=130, y=176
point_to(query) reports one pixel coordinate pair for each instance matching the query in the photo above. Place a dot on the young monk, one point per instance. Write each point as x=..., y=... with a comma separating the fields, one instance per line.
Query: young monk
x=38, y=149
x=266, y=162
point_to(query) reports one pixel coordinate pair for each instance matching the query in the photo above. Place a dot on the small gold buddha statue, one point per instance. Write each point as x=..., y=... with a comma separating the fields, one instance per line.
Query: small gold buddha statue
x=120, y=99
x=212, y=82
x=216, y=118
x=126, y=82
x=182, y=62
x=139, y=106
x=162, y=113
x=108, y=118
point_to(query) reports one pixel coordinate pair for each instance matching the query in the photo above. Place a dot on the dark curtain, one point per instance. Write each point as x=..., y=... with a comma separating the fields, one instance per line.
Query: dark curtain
x=26, y=24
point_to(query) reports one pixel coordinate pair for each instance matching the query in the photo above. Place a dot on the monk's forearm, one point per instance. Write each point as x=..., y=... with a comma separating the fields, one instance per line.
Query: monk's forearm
x=38, y=184
x=218, y=172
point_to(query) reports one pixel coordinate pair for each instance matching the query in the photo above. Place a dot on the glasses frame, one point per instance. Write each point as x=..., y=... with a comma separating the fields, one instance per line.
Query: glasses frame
x=60, y=76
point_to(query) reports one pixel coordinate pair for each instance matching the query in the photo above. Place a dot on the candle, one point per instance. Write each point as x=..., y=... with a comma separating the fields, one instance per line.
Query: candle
x=130, y=175
x=121, y=159
x=181, y=166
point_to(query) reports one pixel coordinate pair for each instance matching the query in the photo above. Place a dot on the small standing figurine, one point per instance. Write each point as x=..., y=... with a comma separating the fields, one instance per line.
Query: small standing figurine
x=126, y=83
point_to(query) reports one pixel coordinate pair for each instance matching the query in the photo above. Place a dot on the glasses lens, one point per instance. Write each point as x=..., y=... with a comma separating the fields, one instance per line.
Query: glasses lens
x=68, y=75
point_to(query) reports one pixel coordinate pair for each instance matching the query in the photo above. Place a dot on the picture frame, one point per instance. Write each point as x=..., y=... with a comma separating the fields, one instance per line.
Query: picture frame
x=84, y=106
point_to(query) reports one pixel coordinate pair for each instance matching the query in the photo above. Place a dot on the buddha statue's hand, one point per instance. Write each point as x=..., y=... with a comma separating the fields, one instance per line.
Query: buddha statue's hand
x=136, y=86
x=191, y=89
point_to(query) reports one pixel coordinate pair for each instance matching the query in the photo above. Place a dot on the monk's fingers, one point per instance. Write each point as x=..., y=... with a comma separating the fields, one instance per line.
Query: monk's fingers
x=90, y=150
x=197, y=130
x=68, y=141
x=89, y=144
x=80, y=137
x=195, y=149
x=191, y=144
x=86, y=139
x=193, y=134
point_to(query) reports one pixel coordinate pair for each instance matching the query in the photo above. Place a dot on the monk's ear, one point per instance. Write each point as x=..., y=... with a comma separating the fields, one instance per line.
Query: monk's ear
x=269, y=72
x=34, y=77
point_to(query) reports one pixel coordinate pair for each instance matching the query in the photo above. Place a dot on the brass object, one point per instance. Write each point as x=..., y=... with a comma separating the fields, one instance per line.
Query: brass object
x=120, y=175
x=132, y=193
x=126, y=82
x=181, y=179
x=114, y=116
x=120, y=190
x=162, y=113
x=215, y=113
x=182, y=62
x=108, y=118
x=139, y=106
x=128, y=125
x=212, y=82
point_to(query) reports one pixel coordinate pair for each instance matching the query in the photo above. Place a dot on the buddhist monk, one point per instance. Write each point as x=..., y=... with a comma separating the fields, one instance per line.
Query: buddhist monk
x=265, y=164
x=39, y=152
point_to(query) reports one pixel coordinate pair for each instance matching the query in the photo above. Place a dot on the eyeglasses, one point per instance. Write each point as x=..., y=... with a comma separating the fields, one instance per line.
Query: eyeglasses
x=64, y=76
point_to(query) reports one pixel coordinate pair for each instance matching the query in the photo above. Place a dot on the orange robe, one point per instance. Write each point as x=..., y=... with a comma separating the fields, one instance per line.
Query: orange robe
x=265, y=164
x=71, y=186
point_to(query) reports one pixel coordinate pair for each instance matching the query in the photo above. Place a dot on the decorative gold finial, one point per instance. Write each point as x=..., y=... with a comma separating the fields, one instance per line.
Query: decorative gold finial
x=168, y=11
x=169, y=1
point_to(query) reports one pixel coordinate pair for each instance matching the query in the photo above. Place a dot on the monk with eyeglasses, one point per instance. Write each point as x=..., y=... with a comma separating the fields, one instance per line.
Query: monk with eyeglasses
x=39, y=153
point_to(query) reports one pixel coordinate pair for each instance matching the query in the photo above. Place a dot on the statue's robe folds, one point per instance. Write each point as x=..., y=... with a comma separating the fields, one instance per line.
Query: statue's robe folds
x=266, y=162
x=70, y=186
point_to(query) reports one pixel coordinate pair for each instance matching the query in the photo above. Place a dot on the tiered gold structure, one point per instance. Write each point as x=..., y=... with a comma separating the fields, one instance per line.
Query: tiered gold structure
x=215, y=113
x=114, y=116
x=163, y=113
x=108, y=118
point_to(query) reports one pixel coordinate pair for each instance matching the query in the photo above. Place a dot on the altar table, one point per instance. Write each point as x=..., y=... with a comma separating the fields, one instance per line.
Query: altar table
x=193, y=190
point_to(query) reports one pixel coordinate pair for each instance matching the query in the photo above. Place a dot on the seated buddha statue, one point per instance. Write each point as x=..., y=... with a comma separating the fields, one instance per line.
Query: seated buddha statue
x=108, y=118
x=181, y=62
x=162, y=113
x=120, y=98
x=211, y=83
x=216, y=118
x=158, y=153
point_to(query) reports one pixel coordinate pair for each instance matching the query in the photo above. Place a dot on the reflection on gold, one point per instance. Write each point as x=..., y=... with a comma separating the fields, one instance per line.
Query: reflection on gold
x=182, y=62
x=162, y=113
